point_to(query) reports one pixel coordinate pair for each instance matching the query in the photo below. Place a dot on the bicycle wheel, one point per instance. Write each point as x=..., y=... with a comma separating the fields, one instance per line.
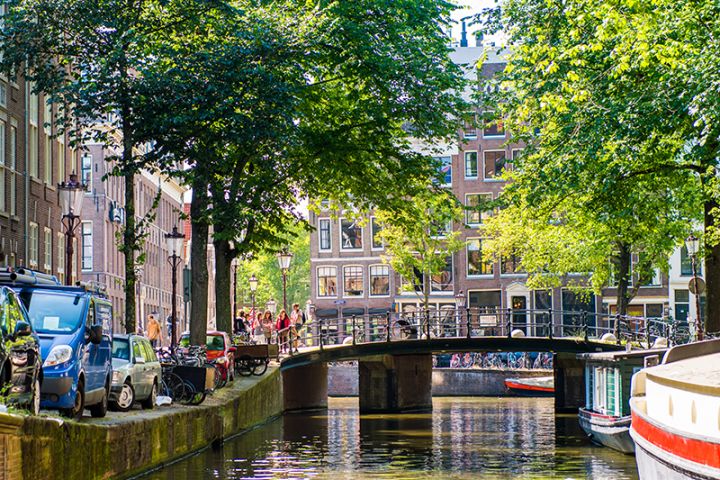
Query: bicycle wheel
x=189, y=393
x=260, y=366
x=245, y=365
x=217, y=377
x=173, y=386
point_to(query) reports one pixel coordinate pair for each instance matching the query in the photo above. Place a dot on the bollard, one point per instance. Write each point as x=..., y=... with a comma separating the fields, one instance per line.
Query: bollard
x=387, y=327
x=469, y=325
x=509, y=323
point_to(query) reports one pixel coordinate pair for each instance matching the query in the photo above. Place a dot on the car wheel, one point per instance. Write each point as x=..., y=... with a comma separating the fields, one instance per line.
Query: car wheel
x=125, y=398
x=149, y=403
x=99, y=410
x=76, y=411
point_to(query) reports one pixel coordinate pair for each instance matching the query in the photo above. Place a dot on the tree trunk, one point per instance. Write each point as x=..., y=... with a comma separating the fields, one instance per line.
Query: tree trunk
x=129, y=233
x=223, y=286
x=624, y=276
x=198, y=263
x=712, y=273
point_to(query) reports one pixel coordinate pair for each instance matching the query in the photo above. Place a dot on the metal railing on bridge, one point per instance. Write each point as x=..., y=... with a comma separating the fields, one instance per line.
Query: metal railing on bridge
x=483, y=322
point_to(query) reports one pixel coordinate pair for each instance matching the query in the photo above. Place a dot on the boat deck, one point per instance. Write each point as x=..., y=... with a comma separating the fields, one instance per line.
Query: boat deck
x=699, y=374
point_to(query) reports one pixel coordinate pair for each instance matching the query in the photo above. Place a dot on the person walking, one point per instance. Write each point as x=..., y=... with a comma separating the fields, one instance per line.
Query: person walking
x=239, y=323
x=153, y=330
x=283, y=329
x=297, y=320
x=267, y=326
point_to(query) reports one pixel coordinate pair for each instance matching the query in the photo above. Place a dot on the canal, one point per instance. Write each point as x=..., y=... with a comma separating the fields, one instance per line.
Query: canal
x=463, y=438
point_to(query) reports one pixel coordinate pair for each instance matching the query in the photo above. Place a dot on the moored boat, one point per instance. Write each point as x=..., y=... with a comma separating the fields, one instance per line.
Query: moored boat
x=606, y=416
x=532, y=386
x=676, y=414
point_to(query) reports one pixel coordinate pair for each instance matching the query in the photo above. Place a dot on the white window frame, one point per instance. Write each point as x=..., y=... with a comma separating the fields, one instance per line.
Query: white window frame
x=329, y=232
x=370, y=277
x=467, y=260
x=33, y=243
x=440, y=159
x=452, y=284
x=362, y=281
x=12, y=159
x=485, y=114
x=86, y=179
x=342, y=243
x=473, y=116
x=372, y=237
x=493, y=150
x=482, y=216
x=477, y=164
x=84, y=246
x=48, y=252
x=60, y=253
x=47, y=174
x=317, y=272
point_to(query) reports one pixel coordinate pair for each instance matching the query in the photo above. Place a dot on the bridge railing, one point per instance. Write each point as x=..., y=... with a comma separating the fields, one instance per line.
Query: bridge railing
x=483, y=322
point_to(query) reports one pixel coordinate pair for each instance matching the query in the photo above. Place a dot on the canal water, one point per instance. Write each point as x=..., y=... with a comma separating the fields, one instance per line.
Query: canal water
x=463, y=438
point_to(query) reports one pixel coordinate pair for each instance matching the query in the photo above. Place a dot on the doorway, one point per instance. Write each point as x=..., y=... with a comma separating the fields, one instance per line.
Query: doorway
x=519, y=306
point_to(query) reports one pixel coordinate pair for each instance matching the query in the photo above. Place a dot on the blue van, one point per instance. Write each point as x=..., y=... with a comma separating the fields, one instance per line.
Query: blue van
x=74, y=325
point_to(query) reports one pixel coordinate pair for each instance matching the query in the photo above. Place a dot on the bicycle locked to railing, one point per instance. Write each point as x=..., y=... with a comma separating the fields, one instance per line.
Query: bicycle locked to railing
x=476, y=322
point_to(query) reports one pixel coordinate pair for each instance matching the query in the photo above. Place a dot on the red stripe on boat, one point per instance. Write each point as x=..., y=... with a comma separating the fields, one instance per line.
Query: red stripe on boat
x=523, y=386
x=698, y=451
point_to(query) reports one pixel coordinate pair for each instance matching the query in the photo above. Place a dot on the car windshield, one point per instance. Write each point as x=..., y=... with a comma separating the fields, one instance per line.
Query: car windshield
x=121, y=349
x=54, y=312
x=215, y=342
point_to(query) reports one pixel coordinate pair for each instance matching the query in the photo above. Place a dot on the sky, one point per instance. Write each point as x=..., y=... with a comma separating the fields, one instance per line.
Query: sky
x=469, y=7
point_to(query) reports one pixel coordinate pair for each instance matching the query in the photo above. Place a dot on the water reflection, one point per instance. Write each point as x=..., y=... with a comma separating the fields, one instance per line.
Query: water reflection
x=463, y=438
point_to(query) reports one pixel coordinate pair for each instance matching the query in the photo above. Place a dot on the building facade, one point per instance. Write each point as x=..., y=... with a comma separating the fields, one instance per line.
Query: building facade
x=348, y=276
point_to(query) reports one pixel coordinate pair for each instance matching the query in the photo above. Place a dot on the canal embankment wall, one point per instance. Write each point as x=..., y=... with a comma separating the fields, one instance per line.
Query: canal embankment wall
x=446, y=382
x=124, y=445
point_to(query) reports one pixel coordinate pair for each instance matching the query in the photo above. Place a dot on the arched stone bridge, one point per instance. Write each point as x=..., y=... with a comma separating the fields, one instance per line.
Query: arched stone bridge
x=395, y=362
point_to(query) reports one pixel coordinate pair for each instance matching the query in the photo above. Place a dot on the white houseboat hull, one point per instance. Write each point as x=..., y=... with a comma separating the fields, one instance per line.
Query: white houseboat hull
x=606, y=430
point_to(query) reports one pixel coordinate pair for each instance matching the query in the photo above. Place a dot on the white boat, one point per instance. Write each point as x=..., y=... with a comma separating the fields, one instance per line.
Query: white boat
x=531, y=386
x=676, y=414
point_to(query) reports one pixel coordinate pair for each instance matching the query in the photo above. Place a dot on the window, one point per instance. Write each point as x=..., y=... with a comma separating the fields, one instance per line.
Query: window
x=473, y=216
x=379, y=280
x=494, y=164
x=443, y=281
x=47, y=263
x=575, y=303
x=511, y=265
x=487, y=300
x=2, y=166
x=375, y=229
x=327, y=281
x=471, y=164
x=516, y=153
x=87, y=246
x=353, y=281
x=686, y=263
x=446, y=170
x=3, y=95
x=350, y=234
x=47, y=116
x=494, y=127
x=33, y=165
x=470, y=125
x=61, y=159
x=475, y=263
x=324, y=233
x=86, y=170
x=61, y=256
x=682, y=305
x=33, y=239
x=48, y=160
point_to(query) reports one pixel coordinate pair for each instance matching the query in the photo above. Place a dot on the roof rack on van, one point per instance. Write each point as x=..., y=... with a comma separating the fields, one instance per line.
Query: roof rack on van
x=27, y=276
x=93, y=287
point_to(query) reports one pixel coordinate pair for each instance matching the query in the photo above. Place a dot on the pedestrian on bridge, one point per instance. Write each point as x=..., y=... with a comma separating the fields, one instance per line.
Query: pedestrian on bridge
x=267, y=325
x=297, y=320
x=283, y=329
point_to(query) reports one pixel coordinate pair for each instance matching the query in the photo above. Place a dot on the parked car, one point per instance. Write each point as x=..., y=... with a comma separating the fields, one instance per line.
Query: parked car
x=74, y=325
x=136, y=373
x=219, y=350
x=20, y=361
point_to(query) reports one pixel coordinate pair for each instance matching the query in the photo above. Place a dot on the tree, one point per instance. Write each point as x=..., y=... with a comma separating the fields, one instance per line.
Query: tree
x=293, y=100
x=419, y=239
x=91, y=59
x=615, y=105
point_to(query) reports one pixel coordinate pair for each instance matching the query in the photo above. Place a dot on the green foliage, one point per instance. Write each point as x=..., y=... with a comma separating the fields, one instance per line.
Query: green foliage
x=419, y=238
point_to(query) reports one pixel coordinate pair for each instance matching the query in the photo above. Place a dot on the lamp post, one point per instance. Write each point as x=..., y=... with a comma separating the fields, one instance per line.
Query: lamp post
x=253, y=281
x=71, y=203
x=271, y=306
x=174, y=241
x=284, y=258
x=692, y=244
x=459, y=305
x=234, y=264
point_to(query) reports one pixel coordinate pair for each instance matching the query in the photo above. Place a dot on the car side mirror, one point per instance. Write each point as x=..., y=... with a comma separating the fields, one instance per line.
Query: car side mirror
x=22, y=329
x=94, y=334
x=139, y=360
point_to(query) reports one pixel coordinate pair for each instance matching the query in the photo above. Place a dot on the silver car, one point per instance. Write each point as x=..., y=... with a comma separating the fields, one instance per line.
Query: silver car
x=136, y=373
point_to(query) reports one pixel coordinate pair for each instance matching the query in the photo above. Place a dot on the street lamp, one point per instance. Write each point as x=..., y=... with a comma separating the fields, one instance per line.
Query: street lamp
x=271, y=306
x=253, y=281
x=459, y=305
x=174, y=241
x=71, y=203
x=692, y=244
x=284, y=258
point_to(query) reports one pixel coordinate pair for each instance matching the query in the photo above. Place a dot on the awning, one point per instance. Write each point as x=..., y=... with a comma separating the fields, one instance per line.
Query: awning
x=326, y=313
x=378, y=311
x=349, y=312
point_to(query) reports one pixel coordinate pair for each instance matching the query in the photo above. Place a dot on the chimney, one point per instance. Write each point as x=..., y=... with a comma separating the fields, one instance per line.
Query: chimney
x=463, y=36
x=478, y=39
